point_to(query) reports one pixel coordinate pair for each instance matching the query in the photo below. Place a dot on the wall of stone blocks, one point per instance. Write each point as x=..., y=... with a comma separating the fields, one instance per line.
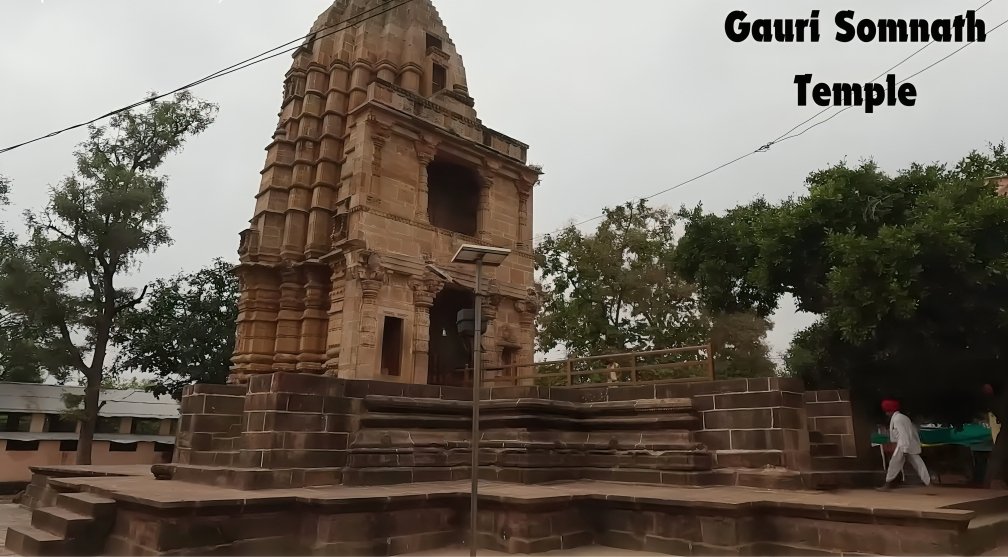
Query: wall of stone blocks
x=211, y=424
x=829, y=413
x=752, y=423
x=369, y=524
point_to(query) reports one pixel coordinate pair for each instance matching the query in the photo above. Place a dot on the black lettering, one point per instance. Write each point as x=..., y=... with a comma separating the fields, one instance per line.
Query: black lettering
x=977, y=28
x=802, y=81
x=847, y=94
x=784, y=30
x=737, y=17
x=941, y=30
x=821, y=94
x=891, y=89
x=866, y=30
x=875, y=96
x=846, y=33
x=908, y=94
x=762, y=30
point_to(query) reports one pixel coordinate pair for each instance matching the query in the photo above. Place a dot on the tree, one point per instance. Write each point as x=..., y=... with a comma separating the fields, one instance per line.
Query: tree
x=185, y=330
x=18, y=361
x=907, y=273
x=63, y=281
x=615, y=291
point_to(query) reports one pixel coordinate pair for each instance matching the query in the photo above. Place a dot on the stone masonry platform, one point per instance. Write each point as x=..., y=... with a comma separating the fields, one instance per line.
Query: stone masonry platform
x=155, y=517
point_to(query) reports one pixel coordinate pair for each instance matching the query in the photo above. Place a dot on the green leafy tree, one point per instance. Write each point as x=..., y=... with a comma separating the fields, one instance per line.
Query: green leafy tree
x=185, y=330
x=18, y=361
x=64, y=280
x=615, y=291
x=908, y=274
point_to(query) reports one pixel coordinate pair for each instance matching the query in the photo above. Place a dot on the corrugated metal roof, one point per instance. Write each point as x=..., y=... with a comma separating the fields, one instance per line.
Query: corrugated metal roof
x=33, y=398
x=110, y=437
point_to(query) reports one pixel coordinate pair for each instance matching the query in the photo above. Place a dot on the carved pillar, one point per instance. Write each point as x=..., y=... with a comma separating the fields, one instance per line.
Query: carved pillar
x=288, y=327
x=527, y=309
x=255, y=341
x=523, y=197
x=491, y=302
x=334, y=333
x=380, y=134
x=372, y=276
x=311, y=356
x=424, y=291
x=425, y=154
x=486, y=183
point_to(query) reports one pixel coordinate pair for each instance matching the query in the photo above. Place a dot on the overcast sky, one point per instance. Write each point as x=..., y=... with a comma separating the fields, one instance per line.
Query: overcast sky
x=616, y=99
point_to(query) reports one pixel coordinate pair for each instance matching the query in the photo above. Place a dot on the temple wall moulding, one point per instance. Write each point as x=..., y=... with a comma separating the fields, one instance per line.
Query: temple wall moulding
x=371, y=273
x=528, y=307
x=425, y=288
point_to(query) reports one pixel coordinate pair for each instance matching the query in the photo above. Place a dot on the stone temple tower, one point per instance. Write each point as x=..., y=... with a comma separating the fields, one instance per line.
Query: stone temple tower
x=378, y=171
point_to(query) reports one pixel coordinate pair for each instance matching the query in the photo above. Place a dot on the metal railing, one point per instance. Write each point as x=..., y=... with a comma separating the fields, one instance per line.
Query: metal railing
x=688, y=363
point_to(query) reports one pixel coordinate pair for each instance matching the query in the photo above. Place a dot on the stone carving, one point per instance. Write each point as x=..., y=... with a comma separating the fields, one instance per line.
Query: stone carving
x=425, y=288
x=491, y=299
x=345, y=171
x=371, y=273
x=341, y=222
x=248, y=242
x=529, y=306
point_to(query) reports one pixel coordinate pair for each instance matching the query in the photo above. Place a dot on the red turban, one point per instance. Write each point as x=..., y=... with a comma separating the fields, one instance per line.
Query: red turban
x=890, y=405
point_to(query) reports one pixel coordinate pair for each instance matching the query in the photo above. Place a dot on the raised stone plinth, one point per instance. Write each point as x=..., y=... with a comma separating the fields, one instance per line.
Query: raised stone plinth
x=161, y=518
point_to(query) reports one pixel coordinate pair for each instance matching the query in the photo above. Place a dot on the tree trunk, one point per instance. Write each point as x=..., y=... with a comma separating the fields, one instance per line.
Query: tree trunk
x=995, y=476
x=998, y=460
x=87, y=429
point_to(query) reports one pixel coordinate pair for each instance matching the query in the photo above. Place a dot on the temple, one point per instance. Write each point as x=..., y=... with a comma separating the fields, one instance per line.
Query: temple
x=378, y=171
x=344, y=428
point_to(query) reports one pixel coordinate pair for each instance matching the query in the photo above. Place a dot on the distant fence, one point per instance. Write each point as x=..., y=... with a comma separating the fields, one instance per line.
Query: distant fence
x=688, y=363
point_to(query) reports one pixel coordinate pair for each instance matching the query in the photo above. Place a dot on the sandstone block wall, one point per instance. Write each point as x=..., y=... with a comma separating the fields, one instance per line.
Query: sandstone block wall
x=210, y=425
x=829, y=412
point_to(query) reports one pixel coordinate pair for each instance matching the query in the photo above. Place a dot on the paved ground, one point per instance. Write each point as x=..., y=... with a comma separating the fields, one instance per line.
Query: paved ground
x=171, y=493
x=579, y=552
x=11, y=515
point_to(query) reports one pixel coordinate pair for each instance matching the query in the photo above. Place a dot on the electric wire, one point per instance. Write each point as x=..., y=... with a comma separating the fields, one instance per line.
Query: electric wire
x=785, y=136
x=248, y=62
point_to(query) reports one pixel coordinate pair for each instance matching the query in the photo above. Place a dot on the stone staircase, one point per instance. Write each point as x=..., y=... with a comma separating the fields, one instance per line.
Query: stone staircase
x=831, y=470
x=404, y=439
x=78, y=524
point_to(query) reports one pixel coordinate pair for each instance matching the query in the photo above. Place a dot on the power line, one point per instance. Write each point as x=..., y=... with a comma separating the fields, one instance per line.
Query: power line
x=248, y=62
x=911, y=76
x=785, y=136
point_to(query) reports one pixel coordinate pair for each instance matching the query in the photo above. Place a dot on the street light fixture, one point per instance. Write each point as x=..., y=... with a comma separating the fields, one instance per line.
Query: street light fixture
x=491, y=257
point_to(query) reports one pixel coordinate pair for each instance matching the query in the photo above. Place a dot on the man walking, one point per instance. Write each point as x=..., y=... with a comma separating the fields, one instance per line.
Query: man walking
x=908, y=447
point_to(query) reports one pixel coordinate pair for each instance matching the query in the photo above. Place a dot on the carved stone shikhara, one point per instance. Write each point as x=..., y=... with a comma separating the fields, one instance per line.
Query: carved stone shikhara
x=367, y=111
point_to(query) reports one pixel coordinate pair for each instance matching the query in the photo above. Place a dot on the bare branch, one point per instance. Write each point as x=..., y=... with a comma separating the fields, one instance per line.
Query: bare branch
x=74, y=351
x=132, y=302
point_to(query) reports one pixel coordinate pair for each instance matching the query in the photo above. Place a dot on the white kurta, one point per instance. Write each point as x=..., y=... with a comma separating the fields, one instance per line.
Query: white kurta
x=908, y=447
x=903, y=433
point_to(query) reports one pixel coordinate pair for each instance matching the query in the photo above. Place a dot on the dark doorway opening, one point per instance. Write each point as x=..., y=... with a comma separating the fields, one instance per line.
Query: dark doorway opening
x=391, y=348
x=453, y=197
x=448, y=353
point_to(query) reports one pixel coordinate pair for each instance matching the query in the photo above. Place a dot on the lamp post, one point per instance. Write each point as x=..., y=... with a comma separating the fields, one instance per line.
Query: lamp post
x=491, y=257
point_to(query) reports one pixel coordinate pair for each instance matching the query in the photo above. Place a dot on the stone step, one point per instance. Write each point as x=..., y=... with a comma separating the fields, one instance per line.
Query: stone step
x=686, y=422
x=774, y=478
x=986, y=532
x=836, y=463
x=61, y=522
x=842, y=479
x=748, y=459
x=824, y=449
x=87, y=504
x=31, y=541
x=406, y=405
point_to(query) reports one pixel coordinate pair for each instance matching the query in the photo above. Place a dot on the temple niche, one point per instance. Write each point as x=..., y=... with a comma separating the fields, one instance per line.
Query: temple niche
x=379, y=169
